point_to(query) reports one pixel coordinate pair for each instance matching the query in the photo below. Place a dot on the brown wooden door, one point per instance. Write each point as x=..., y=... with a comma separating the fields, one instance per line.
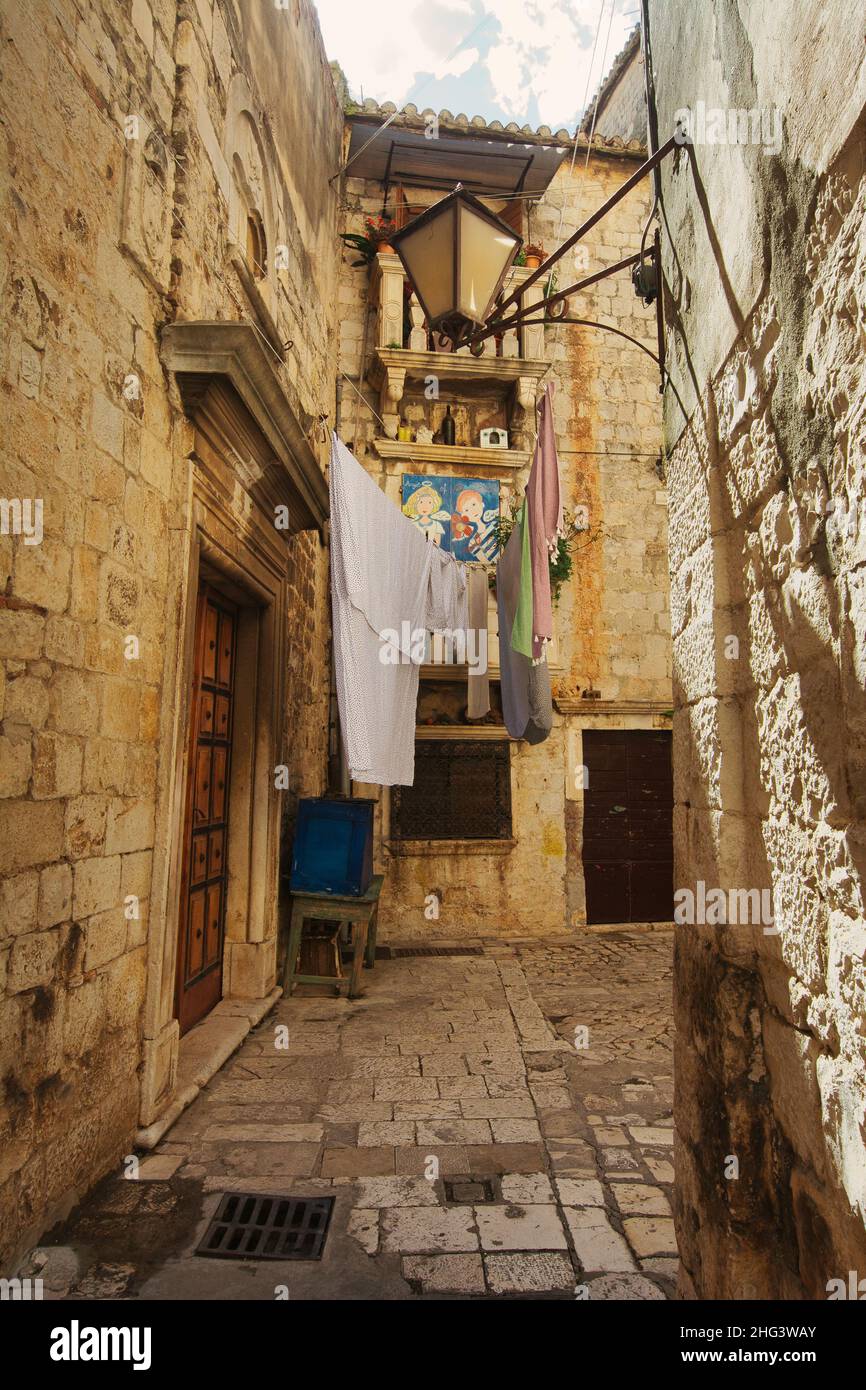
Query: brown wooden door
x=205, y=863
x=628, y=826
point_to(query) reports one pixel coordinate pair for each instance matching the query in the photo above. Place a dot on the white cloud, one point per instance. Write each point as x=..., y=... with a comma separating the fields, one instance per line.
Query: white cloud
x=539, y=64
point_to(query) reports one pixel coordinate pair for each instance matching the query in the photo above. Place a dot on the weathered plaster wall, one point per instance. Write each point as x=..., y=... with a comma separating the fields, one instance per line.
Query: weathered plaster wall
x=112, y=231
x=613, y=624
x=765, y=260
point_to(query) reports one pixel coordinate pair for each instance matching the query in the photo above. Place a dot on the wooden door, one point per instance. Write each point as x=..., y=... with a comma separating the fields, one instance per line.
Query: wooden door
x=628, y=826
x=205, y=863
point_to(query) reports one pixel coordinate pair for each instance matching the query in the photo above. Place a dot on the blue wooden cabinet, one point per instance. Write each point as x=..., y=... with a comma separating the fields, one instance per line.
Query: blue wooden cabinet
x=333, y=849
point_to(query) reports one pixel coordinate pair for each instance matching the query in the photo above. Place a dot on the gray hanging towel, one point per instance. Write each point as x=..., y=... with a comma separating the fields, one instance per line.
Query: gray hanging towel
x=479, y=679
x=540, y=702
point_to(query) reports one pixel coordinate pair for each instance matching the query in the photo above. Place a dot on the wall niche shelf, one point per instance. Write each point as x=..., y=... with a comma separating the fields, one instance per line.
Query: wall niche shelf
x=450, y=456
x=513, y=380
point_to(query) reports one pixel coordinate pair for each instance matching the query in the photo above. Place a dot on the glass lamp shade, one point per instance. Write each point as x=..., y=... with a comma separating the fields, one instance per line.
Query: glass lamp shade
x=456, y=254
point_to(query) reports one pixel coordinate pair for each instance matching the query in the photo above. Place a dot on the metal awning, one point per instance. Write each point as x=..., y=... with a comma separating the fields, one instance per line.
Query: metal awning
x=487, y=167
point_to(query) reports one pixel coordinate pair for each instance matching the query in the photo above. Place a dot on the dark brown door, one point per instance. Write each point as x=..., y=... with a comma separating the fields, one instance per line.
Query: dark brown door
x=627, y=826
x=205, y=864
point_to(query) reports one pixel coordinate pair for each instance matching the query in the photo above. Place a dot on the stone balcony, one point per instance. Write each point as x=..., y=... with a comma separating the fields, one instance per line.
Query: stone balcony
x=512, y=368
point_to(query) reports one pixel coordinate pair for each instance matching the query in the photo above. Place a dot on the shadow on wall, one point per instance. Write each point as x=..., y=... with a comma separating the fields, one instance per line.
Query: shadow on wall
x=769, y=757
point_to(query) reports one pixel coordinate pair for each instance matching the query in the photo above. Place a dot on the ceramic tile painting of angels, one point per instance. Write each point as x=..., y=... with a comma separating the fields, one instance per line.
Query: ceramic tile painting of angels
x=458, y=514
x=422, y=503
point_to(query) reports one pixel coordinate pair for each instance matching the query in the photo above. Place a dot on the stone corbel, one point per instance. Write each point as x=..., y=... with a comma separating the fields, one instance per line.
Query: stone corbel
x=523, y=415
x=393, y=385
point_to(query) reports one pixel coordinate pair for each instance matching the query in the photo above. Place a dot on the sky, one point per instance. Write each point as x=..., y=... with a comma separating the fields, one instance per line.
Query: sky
x=536, y=62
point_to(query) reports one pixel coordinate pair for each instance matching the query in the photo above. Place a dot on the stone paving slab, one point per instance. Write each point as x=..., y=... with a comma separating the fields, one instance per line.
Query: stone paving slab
x=422, y=1230
x=513, y=1227
x=460, y=1274
x=494, y=1126
x=550, y=1272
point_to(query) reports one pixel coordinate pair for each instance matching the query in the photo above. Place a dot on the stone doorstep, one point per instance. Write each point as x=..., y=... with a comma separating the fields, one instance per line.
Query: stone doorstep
x=605, y=928
x=203, y=1051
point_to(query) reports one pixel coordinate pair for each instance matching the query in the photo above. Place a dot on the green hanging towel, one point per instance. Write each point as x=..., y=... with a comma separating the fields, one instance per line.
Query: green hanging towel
x=521, y=632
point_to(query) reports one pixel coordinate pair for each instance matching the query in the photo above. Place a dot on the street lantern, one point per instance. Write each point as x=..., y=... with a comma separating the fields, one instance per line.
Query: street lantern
x=456, y=255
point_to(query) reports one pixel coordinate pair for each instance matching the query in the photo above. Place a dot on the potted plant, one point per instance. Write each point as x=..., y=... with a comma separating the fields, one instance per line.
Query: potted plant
x=375, y=238
x=534, y=256
x=560, y=560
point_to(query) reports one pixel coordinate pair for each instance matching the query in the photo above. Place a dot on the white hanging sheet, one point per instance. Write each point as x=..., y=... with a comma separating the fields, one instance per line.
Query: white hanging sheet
x=389, y=586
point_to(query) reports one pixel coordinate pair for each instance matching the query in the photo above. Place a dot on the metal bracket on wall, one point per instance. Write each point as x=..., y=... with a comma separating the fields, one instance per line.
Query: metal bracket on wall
x=554, y=308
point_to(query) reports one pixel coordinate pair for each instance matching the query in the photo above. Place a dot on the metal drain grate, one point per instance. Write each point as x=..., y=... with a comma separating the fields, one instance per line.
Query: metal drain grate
x=436, y=951
x=252, y=1227
x=469, y=1190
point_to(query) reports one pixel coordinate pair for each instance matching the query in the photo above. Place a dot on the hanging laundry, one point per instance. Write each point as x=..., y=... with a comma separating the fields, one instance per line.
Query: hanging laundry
x=527, y=705
x=479, y=678
x=521, y=628
x=544, y=519
x=389, y=586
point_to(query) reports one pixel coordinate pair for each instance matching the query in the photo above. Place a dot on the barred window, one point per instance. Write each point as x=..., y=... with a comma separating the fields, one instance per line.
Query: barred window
x=462, y=791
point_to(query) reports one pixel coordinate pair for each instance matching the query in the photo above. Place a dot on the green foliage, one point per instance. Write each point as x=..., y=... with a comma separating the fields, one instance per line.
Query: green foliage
x=362, y=244
x=560, y=563
x=379, y=229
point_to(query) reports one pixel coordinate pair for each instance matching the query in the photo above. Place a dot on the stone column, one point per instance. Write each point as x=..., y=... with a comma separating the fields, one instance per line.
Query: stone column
x=532, y=335
x=418, y=334
x=386, y=283
x=390, y=397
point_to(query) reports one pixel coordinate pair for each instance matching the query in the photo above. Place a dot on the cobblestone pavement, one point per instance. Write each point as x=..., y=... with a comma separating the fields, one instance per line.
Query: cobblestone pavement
x=489, y=1125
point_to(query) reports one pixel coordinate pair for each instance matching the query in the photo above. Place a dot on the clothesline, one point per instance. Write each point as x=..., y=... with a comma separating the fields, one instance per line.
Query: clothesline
x=391, y=586
x=577, y=453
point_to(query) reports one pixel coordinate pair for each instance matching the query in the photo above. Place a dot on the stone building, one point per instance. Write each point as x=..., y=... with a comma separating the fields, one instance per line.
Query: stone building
x=182, y=328
x=765, y=264
x=169, y=266
x=575, y=829
x=174, y=284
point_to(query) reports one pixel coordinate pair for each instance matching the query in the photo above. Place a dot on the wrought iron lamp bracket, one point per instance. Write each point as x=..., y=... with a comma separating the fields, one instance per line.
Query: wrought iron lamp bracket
x=646, y=278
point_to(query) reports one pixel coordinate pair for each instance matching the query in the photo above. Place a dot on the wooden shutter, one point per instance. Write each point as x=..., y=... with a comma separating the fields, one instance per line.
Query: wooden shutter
x=513, y=214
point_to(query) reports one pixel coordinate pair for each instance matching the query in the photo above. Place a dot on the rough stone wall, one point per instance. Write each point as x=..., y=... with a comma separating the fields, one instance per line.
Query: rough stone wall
x=623, y=113
x=765, y=261
x=112, y=231
x=613, y=623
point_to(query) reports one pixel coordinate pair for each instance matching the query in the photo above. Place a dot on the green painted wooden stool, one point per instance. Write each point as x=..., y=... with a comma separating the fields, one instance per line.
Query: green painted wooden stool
x=361, y=912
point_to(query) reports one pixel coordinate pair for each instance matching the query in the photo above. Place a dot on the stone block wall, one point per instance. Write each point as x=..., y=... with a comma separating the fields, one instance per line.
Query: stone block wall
x=119, y=126
x=613, y=620
x=765, y=269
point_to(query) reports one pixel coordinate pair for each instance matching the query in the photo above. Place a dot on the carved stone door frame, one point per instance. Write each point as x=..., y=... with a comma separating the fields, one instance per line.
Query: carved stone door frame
x=246, y=459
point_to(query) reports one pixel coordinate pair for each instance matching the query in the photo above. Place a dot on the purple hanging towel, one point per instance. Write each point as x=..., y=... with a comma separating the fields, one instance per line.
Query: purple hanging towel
x=545, y=521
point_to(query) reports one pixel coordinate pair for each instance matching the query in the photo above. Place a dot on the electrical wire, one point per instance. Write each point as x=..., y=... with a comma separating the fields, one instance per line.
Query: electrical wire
x=582, y=112
x=603, y=63
x=179, y=221
x=394, y=114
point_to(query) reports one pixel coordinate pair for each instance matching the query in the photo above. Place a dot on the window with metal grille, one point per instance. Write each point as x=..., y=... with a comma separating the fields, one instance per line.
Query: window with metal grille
x=462, y=791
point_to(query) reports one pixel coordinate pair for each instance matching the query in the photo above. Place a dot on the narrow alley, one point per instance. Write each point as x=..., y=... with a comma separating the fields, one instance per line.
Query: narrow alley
x=432, y=678
x=493, y=1122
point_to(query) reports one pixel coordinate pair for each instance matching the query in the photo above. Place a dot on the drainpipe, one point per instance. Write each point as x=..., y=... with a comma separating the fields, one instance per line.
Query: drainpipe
x=338, y=767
